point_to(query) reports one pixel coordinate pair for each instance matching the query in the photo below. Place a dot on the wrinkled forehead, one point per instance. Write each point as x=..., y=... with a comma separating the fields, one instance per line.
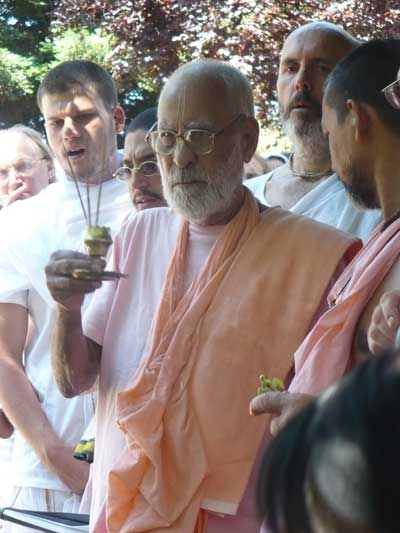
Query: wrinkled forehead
x=315, y=44
x=193, y=99
x=76, y=97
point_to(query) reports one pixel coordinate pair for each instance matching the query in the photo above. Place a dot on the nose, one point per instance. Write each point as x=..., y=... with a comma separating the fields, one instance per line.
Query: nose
x=303, y=80
x=15, y=181
x=70, y=128
x=183, y=156
x=139, y=181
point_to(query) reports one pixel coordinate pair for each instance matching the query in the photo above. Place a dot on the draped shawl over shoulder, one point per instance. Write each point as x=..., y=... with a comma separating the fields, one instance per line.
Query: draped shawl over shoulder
x=190, y=442
x=325, y=354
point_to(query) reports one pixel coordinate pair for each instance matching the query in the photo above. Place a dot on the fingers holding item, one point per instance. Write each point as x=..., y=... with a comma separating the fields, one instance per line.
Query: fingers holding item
x=283, y=405
x=276, y=402
x=63, y=262
x=65, y=284
x=64, y=288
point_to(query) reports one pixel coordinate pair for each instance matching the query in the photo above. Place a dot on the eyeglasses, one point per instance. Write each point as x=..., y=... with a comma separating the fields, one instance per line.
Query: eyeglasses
x=147, y=168
x=22, y=167
x=201, y=142
x=392, y=93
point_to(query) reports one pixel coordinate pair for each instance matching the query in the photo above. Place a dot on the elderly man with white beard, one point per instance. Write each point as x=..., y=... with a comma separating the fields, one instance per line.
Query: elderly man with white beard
x=306, y=184
x=218, y=289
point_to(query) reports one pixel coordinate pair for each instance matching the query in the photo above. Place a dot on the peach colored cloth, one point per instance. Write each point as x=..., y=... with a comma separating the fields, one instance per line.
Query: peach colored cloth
x=190, y=443
x=325, y=354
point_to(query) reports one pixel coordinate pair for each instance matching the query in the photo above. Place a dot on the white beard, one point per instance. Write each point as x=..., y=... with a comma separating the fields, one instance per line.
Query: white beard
x=209, y=195
x=307, y=139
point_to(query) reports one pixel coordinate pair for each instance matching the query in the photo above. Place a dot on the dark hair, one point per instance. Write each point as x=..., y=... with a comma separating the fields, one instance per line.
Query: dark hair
x=362, y=75
x=143, y=121
x=349, y=437
x=79, y=74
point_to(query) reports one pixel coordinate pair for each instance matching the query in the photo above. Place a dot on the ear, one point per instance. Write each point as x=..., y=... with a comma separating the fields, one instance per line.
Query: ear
x=119, y=118
x=250, y=131
x=362, y=118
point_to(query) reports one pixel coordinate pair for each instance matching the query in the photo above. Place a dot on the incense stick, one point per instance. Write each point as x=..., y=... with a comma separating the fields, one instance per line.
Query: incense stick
x=76, y=185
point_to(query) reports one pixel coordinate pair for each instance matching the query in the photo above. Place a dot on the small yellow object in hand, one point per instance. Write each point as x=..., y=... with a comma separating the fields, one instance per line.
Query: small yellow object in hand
x=270, y=385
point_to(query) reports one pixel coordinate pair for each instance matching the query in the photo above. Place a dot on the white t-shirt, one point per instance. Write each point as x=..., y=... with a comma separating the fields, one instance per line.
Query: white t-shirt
x=327, y=202
x=120, y=316
x=29, y=232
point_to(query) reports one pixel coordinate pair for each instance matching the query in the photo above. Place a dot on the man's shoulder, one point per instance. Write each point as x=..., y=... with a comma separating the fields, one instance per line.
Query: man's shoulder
x=156, y=223
x=257, y=185
x=294, y=230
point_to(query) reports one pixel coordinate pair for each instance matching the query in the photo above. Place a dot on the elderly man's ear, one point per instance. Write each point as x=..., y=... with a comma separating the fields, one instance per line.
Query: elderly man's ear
x=250, y=131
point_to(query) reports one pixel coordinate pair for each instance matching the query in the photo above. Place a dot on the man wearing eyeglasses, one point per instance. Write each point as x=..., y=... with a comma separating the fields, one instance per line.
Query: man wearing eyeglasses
x=218, y=289
x=26, y=164
x=140, y=168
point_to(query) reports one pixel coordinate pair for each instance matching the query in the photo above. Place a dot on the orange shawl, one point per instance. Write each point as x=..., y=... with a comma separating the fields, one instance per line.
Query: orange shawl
x=190, y=443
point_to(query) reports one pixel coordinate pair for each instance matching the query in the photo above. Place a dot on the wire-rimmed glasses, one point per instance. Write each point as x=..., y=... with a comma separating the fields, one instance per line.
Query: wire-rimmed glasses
x=200, y=141
x=146, y=168
x=22, y=167
x=392, y=93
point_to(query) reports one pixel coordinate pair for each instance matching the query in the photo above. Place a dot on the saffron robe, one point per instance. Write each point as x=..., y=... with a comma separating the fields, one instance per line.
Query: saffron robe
x=190, y=442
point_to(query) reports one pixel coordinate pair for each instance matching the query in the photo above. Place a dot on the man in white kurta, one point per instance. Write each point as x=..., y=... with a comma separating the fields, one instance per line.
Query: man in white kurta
x=327, y=202
x=81, y=128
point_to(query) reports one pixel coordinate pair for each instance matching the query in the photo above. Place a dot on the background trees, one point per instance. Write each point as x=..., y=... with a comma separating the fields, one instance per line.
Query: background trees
x=142, y=41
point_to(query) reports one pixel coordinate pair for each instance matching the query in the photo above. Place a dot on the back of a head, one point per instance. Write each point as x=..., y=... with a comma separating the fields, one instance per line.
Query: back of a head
x=82, y=76
x=361, y=76
x=335, y=467
x=238, y=91
x=143, y=121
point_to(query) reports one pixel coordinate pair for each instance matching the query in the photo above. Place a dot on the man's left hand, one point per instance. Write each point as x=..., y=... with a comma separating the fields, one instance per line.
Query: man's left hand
x=283, y=405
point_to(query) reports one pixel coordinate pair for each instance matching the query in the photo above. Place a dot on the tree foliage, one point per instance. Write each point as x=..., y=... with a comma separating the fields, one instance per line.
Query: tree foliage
x=154, y=36
x=141, y=42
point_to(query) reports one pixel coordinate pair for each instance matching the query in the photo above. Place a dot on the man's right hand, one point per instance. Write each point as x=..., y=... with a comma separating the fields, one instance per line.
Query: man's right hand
x=66, y=290
x=71, y=471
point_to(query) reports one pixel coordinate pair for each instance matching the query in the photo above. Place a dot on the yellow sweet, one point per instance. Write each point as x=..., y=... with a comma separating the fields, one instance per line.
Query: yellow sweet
x=270, y=385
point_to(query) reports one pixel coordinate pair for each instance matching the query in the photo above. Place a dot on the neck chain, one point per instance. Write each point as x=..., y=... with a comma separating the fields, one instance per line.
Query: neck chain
x=307, y=176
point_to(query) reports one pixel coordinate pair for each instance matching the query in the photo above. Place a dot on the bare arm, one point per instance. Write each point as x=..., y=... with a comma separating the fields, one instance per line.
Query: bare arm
x=21, y=404
x=75, y=358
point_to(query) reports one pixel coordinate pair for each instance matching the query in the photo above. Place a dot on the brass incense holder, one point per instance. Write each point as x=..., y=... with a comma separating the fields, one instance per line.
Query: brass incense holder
x=97, y=239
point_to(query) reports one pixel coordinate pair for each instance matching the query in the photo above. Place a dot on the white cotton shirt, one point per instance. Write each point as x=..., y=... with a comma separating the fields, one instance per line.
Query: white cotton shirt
x=327, y=202
x=30, y=231
x=120, y=316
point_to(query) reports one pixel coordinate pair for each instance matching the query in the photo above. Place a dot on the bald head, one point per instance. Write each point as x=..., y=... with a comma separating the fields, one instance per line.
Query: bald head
x=343, y=37
x=308, y=56
x=230, y=85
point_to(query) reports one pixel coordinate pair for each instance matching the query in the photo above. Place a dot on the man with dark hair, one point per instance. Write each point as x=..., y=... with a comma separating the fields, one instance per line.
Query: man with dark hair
x=81, y=120
x=140, y=169
x=306, y=184
x=364, y=139
x=80, y=75
x=175, y=446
